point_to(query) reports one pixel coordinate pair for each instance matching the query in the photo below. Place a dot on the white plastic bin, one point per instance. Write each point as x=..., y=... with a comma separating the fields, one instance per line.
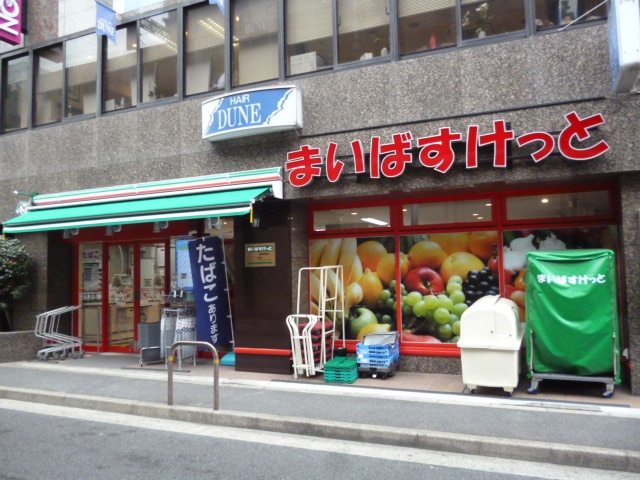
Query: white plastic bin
x=490, y=340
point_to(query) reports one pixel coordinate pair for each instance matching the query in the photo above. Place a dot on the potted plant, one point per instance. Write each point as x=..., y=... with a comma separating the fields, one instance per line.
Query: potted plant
x=15, y=263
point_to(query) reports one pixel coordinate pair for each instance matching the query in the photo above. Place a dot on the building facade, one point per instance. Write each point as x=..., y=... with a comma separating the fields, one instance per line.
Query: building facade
x=444, y=136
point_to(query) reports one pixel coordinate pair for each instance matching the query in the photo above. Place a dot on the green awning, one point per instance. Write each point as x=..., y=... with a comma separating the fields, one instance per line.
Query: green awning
x=177, y=207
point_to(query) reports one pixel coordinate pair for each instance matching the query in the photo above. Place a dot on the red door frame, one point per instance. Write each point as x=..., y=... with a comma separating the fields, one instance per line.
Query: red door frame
x=136, y=234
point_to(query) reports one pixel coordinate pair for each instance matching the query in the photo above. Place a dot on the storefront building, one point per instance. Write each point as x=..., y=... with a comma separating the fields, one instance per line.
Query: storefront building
x=409, y=141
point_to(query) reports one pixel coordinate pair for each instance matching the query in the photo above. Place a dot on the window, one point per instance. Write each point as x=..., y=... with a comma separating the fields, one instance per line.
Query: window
x=560, y=205
x=142, y=65
x=255, y=41
x=440, y=213
x=554, y=13
x=159, y=56
x=426, y=25
x=482, y=19
x=356, y=217
x=309, y=27
x=48, y=76
x=81, y=74
x=204, y=49
x=15, y=94
x=120, y=75
x=363, y=29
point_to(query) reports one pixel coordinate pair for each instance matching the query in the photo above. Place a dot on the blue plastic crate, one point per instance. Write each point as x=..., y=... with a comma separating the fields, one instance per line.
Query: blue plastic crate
x=377, y=350
x=378, y=362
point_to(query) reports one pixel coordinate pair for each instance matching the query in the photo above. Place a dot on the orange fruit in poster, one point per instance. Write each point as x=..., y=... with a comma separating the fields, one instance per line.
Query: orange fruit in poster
x=520, y=281
x=427, y=254
x=371, y=288
x=481, y=244
x=386, y=268
x=459, y=263
x=370, y=253
x=451, y=242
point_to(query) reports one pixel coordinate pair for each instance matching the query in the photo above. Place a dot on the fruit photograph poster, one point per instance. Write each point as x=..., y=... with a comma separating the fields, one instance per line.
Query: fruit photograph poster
x=440, y=276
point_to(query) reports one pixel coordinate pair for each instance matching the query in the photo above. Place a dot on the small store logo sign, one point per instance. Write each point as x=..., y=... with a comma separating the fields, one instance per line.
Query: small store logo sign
x=260, y=255
x=11, y=15
x=251, y=113
x=23, y=207
x=437, y=152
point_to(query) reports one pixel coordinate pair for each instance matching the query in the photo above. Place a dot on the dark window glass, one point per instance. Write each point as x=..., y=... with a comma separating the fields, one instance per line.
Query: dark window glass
x=426, y=25
x=436, y=213
x=559, y=205
x=309, y=27
x=120, y=76
x=488, y=18
x=159, y=52
x=15, y=94
x=204, y=49
x=363, y=29
x=555, y=13
x=81, y=75
x=49, y=77
x=255, y=41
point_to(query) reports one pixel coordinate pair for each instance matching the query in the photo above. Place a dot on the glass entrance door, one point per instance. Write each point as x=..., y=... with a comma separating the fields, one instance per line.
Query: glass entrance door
x=122, y=298
x=136, y=292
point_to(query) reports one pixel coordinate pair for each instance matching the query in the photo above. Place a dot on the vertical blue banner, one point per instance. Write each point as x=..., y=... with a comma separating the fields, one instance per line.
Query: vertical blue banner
x=213, y=312
x=220, y=4
x=105, y=21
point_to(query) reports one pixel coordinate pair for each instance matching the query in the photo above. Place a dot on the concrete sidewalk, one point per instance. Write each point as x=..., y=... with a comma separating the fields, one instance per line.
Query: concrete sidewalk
x=568, y=423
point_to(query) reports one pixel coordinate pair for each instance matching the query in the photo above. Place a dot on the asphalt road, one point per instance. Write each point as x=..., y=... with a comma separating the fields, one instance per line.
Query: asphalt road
x=42, y=442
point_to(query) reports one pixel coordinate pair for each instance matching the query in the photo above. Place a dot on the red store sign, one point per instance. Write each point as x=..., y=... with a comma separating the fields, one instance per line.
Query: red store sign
x=436, y=151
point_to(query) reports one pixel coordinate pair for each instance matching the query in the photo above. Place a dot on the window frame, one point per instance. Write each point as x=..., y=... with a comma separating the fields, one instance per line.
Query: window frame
x=35, y=69
x=498, y=223
x=4, y=70
x=182, y=9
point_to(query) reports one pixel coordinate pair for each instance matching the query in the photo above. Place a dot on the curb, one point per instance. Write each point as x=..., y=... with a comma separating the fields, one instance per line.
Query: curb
x=534, y=451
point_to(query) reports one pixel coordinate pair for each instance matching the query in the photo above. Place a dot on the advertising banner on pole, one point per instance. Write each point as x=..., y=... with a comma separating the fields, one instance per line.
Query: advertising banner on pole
x=106, y=21
x=220, y=4
x=208, y=270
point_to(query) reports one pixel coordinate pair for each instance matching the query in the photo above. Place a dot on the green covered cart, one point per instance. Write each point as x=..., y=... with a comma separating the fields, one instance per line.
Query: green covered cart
x=572, y=330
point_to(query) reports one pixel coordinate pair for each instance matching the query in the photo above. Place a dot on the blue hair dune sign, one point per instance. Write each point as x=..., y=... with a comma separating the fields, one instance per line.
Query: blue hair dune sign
x=252, y=112
x=213, y=312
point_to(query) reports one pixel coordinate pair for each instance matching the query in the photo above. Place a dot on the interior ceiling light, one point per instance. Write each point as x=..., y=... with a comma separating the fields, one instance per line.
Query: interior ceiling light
x=545, y=200
x=375, y=221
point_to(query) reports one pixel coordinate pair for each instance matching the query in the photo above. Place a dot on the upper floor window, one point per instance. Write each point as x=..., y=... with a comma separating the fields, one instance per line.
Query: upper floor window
x=48, y=78
x=555, y=13
x=363, y=30
x=255, y=41
x=480, y=19
x=426, y=25
x=204, y=49
x=15, y=94
x=158, y=45
x=60, y=81
x=309, y=42
x=120, y=70
x=81, y=73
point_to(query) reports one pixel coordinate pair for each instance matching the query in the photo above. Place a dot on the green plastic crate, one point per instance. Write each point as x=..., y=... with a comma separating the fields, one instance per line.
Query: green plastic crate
x=341, y=370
